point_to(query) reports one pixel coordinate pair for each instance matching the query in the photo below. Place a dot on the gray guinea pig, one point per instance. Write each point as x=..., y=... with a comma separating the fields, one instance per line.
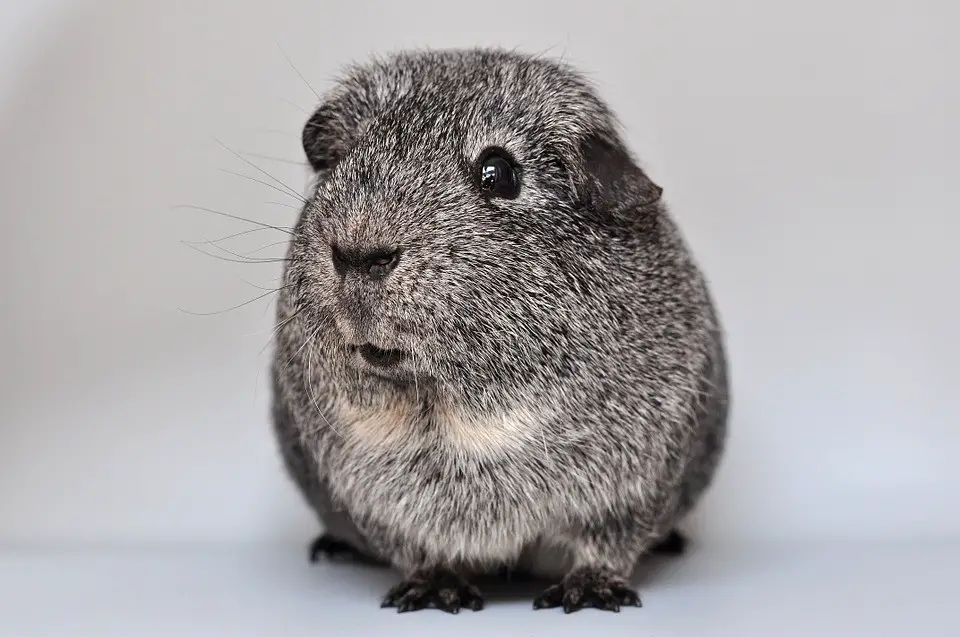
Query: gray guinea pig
x=495, y=350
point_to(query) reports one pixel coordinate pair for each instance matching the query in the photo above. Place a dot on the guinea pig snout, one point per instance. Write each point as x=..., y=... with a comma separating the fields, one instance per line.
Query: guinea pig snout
x=370, y=262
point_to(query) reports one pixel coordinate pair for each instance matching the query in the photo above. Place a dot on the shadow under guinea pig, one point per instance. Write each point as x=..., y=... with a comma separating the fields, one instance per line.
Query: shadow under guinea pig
x=519, y=585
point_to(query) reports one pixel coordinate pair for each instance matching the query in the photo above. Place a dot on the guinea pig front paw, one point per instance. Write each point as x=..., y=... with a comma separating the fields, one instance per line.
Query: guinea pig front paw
x=439, y=588
x=675, y=543
x=338, y=550
x=588, y=588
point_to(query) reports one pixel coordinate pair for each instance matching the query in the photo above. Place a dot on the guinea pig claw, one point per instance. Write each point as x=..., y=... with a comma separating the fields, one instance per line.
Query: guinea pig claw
x=440, y=589
x=588, y=588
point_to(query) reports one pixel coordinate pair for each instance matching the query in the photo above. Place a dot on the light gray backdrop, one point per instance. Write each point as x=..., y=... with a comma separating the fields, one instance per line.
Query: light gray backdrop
x=808, y=149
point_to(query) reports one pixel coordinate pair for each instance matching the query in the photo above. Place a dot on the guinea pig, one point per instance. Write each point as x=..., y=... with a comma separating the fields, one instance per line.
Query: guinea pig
x=495, y=348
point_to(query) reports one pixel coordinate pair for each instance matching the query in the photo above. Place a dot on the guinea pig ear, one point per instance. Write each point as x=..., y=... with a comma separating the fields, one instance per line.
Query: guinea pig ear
x=611, y=179
x=323, y=138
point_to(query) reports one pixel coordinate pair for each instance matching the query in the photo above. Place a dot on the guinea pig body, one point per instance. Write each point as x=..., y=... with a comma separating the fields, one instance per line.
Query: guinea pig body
x=496, y=349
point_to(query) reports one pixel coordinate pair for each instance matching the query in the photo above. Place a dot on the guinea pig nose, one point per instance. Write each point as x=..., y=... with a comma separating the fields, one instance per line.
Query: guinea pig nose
x=375, y=263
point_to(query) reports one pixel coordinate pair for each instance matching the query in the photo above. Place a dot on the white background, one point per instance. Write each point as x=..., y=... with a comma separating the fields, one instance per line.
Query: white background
x=808, y=149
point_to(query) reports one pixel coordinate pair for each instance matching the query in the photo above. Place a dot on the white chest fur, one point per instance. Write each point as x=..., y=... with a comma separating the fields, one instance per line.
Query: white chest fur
x=449, y=478
x=481, y=435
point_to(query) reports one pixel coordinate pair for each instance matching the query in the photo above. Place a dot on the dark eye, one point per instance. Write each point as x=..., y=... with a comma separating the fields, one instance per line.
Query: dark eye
x=498, y=174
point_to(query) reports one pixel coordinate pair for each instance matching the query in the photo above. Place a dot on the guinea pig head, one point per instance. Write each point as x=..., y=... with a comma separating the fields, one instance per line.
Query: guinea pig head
x=457, y=225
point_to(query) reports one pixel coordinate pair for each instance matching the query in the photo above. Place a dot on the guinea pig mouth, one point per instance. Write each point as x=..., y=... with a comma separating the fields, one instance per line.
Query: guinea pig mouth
x=380, y=357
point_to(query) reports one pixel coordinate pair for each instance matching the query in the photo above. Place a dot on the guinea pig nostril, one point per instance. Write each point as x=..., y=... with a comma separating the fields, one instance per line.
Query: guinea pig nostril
x=381, y=357
x=375, y=263
x=381, y=263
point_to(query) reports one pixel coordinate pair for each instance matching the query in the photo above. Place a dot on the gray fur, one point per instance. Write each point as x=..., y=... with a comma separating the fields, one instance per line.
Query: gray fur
x=566, y=383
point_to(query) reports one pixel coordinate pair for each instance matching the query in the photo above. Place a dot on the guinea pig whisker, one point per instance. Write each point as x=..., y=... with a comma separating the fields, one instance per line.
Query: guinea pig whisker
x=416, y=390
x=275, y=332
x=280, y=203
x=259, y=287
x=265, y=183
x=235, y=307
x=295, y=105
x=261, y=171
x=289, y=231
x=281, y=160
x=306, y=342
x=311, y=394
x=216, y=244
x=297, y=71
x=543, y=438
x=244, y=255
x=242, y=258
x=269, y=245
x=230, y=236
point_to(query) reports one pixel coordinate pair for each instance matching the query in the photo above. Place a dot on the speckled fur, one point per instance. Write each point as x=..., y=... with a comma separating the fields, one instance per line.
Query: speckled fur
x=565, y=391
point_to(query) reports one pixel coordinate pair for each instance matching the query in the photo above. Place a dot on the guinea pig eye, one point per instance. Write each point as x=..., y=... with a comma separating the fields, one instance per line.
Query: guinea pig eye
x=498, y=174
